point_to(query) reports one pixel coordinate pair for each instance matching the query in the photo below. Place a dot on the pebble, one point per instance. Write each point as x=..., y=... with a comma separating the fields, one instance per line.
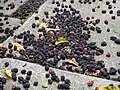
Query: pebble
x=108, y=30
x=71, y=1
x=36, y=18
x=113, y=38
x=97, y=21
x=67, y=86
x=33, y=25
x=10, y=45
x=114, y=1
x=26, y=85
x=1, y=8
x=14, y=76
x=28, y=78
x=112, y=71
x=118, y=54
x=90, y=83
x=118, y=71
x=93, y=10
x=50, y=81
x=108, y=55
x=93, y=0
x=1, y=30
x=5, y=18
x=35, y=83
x=98, y=30
x=67, y=81
x=6, y=64
x=23, y=71
x=53, y=77
x=46, y=13
x=103, y=43
x=3, y=80
x=108, y=77
x=15, y=70
x=88, y=18
x=109, y=6
x=1, y=24
x=20, y=79
x=64, y=0
x=53, y=2
x=60, y=86
x=47, y=75
x=46, y=68
x=111, y=12
x=63, y=86
x=17, y=88
x=106, y=22
x=103, y=11
x=29, y=73
x=113, y=17
x=77, y=70
x=117, y=41
x=62, y=78
x=118, y=12
x=118, y=78
x=7, y=22
x=57, y=79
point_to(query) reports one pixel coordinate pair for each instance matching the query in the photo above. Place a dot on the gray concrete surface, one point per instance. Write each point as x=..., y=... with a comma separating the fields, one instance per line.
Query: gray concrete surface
x=78, y=81
x=10, y=11
x=13, y=22
x=85, y=11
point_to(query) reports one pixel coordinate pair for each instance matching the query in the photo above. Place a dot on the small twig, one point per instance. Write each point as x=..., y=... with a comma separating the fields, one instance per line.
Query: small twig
x=24, y=65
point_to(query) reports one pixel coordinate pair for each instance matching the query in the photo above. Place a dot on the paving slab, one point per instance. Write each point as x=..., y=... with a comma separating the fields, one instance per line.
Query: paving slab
x=17, y=4
x=27, y=9
x=12, y=22
x=9, y=23
x=86, y=10
x=78, y=81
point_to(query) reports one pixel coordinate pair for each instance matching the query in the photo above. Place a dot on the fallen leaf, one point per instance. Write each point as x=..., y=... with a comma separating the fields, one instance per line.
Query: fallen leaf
x=8, y=72
x=109, y=87
x=41, y=25
x=61, y=40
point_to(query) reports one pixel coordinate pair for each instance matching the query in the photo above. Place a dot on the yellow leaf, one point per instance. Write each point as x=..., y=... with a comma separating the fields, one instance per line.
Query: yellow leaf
x=109, y=87
x=19, y=46
x=22, y=21
x=8, y=72
x=72, y=61
x=61, y=40
x=43, y=24
x=45, y=85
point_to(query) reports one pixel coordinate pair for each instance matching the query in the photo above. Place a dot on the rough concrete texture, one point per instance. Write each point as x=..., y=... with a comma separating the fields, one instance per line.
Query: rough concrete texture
x=78, y=81
x=13, y=22
x=86, y=10
x=10, y=11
